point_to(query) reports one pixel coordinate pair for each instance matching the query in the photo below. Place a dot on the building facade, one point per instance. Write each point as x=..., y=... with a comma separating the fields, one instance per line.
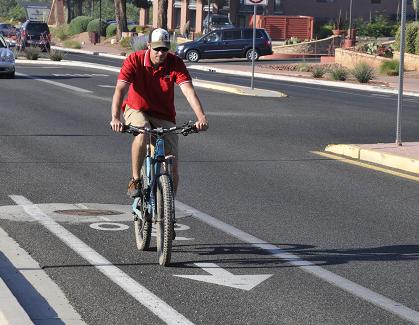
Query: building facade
x=194, y=11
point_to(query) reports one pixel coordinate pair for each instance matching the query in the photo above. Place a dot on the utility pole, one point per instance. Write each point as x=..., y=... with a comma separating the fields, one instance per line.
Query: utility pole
x=401, y=74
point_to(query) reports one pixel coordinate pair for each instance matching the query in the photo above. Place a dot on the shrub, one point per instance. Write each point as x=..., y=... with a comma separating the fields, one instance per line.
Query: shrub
x=318, y=71
x=56, y=55
x=111, y=30
x=303, y=67
x=93, y=26
x=60, y=32
x=125, y=42
x=133, y=28
x=72, y=44
x=32, y=53
x=381, y=26
x=79, y=25
x=339, y=73
x=323, y=31
x=412, y=32
x=390, y=68
x=363, y=72
x=417, y=44
x=293, y=40
x=139, y=43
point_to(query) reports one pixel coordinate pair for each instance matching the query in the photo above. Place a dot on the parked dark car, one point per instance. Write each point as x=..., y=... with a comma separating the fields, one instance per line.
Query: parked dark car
x=213, y=22
x=227, y=43
x=34, y=33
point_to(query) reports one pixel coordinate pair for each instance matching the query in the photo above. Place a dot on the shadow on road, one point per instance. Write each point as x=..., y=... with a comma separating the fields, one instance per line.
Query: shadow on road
x=250, y=257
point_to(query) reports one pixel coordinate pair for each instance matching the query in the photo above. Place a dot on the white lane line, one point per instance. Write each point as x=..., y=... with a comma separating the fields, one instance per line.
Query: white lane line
x=58, y=84
x=330, y=277
x=149, y=300
x=106, y=86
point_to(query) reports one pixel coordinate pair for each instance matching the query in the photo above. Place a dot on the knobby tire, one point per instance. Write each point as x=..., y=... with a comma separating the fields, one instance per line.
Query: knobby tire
x=165, y=206
x=143, y=229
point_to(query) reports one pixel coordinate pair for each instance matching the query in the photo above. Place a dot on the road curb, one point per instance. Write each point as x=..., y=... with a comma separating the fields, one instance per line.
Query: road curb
x=11, y=312
x=375, y=156
x=303, y=80
x=239, y=90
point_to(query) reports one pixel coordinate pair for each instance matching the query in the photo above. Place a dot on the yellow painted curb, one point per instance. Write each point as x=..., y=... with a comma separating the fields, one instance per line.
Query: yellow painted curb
x=218, y=87
x=375, y=156
x=238, y=90
x=348, y=150
x=393, y=161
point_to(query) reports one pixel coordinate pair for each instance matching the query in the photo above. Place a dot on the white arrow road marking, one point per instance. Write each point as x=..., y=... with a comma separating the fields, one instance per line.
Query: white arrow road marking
x=149, y=300
x=330, y=277
x=59, y=84
x=224, y=278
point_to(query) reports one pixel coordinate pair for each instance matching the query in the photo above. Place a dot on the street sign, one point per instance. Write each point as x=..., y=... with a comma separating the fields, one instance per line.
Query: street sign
x=256, y=2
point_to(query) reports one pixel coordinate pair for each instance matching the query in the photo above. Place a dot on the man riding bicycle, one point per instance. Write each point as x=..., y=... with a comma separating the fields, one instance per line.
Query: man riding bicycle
x=148, y=77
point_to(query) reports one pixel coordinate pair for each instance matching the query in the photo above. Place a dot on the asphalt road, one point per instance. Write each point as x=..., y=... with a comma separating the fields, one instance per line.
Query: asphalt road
x=254, y=170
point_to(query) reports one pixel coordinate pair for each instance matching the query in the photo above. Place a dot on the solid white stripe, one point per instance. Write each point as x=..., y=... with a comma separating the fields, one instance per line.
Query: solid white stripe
x=334, y=279
x=136, y=290
x=59, y=84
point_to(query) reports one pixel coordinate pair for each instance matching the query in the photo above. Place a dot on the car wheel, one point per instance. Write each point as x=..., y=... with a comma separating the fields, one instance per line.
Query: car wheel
x=250, y=53
x=192, y=56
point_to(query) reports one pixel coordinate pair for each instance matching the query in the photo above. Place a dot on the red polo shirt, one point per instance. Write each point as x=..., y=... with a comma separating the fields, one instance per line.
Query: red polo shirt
x=152, y=90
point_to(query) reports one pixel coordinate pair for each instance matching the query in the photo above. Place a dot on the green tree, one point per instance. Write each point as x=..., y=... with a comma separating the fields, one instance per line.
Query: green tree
x=5, y=6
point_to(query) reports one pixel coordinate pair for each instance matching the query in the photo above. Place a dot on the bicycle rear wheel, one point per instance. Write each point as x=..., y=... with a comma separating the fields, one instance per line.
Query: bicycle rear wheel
x=165, y=206
x=142, y=229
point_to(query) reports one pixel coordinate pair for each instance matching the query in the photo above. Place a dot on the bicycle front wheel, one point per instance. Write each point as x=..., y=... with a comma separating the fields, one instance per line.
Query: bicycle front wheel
x=165, y=207
x=142, y=229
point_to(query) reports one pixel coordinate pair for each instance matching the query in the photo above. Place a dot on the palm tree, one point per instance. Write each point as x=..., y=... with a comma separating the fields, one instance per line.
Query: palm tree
x=415, y=4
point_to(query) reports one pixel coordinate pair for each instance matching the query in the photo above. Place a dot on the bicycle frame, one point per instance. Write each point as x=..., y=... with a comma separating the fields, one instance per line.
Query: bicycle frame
x=156, y=165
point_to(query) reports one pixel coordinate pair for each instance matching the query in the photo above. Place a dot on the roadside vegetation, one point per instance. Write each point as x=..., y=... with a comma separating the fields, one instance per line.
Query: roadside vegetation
x=390, y=68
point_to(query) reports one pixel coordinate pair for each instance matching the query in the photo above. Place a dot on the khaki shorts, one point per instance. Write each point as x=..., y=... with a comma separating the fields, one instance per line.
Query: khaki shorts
x=138, y=118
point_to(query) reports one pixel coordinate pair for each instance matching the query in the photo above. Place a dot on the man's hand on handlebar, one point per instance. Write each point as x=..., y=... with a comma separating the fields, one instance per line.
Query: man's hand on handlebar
x=117, y=125
x=202, y=124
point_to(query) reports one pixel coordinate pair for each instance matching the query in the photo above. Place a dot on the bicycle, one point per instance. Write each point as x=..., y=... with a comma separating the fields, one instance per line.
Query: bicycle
x=156, y=205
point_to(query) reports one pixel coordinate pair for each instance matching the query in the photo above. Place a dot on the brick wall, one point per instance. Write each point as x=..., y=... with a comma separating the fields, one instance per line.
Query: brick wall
x=327, y=11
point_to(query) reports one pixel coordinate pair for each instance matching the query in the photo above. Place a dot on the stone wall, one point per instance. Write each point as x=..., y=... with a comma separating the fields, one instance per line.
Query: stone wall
x=325, y=46
x=411, y=61
x=349, y=58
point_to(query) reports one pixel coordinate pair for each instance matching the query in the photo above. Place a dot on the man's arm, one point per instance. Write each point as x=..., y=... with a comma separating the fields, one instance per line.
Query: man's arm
x=121, y=90
x=193, y=100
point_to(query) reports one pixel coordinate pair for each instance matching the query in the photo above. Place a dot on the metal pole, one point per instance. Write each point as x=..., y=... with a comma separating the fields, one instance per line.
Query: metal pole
x=253, y=51
x=350, y=15
x=401, y=74
x=100, y=19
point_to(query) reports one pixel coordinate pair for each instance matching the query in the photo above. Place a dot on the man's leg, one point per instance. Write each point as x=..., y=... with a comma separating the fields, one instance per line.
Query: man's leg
x=138, y=149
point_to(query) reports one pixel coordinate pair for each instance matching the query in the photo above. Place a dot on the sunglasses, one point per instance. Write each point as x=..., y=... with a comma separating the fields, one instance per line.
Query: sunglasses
x=161, y=49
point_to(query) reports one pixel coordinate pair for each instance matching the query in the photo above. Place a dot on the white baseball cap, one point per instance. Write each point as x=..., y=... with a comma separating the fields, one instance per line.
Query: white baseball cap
x=159, y=38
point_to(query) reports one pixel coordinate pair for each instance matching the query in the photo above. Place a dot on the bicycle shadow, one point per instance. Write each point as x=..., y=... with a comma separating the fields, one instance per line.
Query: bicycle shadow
x=248, y=256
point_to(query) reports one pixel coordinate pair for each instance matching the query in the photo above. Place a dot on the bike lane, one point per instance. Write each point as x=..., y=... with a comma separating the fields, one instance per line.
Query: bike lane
x=215, y=278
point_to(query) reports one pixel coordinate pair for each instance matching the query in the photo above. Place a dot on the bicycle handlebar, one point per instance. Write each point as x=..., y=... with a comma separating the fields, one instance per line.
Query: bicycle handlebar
x=184, y=129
